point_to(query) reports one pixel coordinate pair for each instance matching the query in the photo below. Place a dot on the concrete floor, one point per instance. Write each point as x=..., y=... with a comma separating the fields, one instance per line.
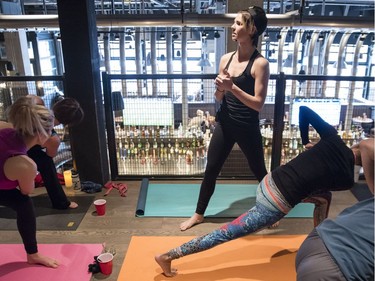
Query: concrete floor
x=120, y=224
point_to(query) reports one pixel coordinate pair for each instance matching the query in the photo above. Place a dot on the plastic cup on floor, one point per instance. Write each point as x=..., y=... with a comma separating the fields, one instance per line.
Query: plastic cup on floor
x=100, y=206
x=106, y=263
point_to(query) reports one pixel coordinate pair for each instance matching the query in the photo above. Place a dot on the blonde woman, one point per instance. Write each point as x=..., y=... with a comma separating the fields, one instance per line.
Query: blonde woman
x=32, y=125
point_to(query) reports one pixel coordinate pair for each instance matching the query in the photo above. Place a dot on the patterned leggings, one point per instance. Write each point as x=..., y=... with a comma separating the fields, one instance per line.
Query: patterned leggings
x=267, y=210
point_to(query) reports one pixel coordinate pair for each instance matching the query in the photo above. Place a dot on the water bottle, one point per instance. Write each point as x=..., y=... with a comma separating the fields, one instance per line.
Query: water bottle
x=76, y=181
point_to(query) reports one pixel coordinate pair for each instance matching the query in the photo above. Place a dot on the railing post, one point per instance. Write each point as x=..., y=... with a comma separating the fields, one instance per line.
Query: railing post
x=278, y=121
x=108, y=113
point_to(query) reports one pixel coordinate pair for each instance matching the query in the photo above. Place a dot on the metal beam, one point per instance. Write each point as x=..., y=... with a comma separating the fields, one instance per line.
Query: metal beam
x=193, y=20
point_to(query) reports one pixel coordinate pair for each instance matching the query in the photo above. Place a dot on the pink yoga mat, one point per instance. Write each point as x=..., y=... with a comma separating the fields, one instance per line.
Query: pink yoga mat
x=74, y=260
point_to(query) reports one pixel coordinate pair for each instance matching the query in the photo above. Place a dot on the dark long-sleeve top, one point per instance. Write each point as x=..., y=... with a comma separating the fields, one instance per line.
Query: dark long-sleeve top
x=328, y=165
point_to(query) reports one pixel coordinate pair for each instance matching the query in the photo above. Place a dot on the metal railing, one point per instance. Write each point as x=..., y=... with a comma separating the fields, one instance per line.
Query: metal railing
x=177, y=89
x=187, y=94
x=47, y=87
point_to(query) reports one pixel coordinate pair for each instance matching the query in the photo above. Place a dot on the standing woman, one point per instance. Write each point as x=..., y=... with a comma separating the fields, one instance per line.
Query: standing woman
x=241, y=87
x=32, y=125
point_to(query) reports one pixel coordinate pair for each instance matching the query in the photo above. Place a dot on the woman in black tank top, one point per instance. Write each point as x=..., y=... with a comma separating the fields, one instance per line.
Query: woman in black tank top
x=241, y=87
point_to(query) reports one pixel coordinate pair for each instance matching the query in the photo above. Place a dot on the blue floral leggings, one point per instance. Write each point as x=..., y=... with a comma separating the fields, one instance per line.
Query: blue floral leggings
x=265, y=212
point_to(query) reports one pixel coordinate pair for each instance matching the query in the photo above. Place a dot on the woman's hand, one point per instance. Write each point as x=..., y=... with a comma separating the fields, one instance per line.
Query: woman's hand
x=219, y=84
x=309, y=145
x=52, y=145
x=220, y=91
x=223, y=83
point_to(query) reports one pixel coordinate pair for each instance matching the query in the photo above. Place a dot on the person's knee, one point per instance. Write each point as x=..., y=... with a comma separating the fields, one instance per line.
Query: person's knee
x=367, y=146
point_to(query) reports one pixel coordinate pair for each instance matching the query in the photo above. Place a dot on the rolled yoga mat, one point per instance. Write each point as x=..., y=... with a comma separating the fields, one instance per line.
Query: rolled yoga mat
x=141, y=205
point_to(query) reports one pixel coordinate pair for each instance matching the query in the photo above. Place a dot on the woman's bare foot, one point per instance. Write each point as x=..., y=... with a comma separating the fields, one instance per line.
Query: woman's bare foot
x=195, y=219
x=165, y=263
x=275, y=225
x=73, y=205
x=43, y=260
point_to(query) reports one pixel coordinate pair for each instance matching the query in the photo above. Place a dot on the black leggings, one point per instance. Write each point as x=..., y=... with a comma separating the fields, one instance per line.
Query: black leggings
x=47, y=170
x=26, y=222
x=248, y=138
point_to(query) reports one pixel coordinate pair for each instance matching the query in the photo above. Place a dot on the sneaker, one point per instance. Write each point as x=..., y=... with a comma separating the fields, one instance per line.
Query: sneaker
x=90, y=187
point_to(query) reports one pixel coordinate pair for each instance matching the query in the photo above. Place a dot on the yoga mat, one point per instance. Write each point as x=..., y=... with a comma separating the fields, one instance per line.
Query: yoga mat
x=48, y=218
x=228, y=201
x=141, y=205
x=254, y=257
x=74, y=260
x=361, y=191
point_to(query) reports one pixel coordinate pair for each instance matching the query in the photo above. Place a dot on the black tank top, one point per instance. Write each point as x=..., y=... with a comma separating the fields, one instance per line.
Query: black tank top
x=232, y=109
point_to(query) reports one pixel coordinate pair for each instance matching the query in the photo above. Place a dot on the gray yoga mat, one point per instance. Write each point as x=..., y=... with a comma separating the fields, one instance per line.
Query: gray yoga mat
x=48, y=218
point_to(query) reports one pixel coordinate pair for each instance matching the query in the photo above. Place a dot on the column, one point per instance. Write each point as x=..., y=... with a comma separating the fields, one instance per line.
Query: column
x=77, y=20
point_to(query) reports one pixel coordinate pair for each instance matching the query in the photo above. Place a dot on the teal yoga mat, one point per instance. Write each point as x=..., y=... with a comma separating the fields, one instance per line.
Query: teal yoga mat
x=179, y=200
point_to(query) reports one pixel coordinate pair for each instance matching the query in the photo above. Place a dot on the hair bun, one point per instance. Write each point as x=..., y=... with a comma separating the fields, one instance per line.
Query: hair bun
x=259, y=17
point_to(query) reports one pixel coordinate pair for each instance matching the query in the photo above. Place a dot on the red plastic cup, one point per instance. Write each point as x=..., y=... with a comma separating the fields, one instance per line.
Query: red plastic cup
x=100, y=206
x=106, y=263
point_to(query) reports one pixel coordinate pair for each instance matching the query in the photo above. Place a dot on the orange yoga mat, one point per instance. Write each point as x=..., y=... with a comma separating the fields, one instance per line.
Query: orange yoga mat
x=255, y=257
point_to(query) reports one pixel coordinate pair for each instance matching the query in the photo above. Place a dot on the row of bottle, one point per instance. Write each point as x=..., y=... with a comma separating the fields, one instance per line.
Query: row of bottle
x=289, y=132
x=159, y=132
x=162, y=167
x=292, y=143
x=291, y=135
x=160, y=150
x=287, y=154
x=164, y=149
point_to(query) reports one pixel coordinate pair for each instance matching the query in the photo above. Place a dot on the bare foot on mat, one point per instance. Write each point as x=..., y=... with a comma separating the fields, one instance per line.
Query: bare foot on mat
x=195, y=219
x=43, y=260
x=165, y=263
x=73, y=205
x=275, y=225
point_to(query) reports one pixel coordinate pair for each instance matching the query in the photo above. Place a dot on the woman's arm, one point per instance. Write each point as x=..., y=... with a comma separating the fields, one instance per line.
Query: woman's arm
x=5, y=125
x=366, y=147
x=52, y=145
x=22, y=169
x=220, y=90
x=307, y=117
